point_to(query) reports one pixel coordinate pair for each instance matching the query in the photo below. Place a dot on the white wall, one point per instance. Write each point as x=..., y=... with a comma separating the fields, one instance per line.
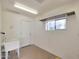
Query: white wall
x=62, y=43
x=16, y=27
x=0, y=26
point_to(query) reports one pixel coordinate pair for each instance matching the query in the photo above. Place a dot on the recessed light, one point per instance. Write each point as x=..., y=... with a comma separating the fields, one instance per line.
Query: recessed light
x=26, y=8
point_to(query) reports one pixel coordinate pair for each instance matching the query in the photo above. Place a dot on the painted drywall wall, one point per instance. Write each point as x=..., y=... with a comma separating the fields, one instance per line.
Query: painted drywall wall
x=60, y=10
x=61, y=43
x=0, y=25
x=16, y=26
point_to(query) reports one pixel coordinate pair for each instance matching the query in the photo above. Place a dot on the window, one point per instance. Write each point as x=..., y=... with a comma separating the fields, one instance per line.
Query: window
x=61, y=24
x=57, y=24
x=50, y=25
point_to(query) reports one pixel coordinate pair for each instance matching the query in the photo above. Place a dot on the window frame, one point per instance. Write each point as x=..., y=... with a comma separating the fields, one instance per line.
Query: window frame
x=56, y=19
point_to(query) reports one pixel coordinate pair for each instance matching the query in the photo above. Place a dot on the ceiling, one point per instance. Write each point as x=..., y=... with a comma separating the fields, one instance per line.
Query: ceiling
x=42, y=6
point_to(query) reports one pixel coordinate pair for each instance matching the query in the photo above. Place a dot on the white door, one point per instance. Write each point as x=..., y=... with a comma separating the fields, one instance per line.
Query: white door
x=25, y=33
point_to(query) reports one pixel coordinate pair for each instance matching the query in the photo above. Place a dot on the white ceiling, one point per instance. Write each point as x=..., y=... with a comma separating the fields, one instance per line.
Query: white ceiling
x=42, y=6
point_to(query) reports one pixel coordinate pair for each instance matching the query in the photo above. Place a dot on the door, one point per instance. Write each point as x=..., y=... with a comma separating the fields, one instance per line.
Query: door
x=25, y=33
